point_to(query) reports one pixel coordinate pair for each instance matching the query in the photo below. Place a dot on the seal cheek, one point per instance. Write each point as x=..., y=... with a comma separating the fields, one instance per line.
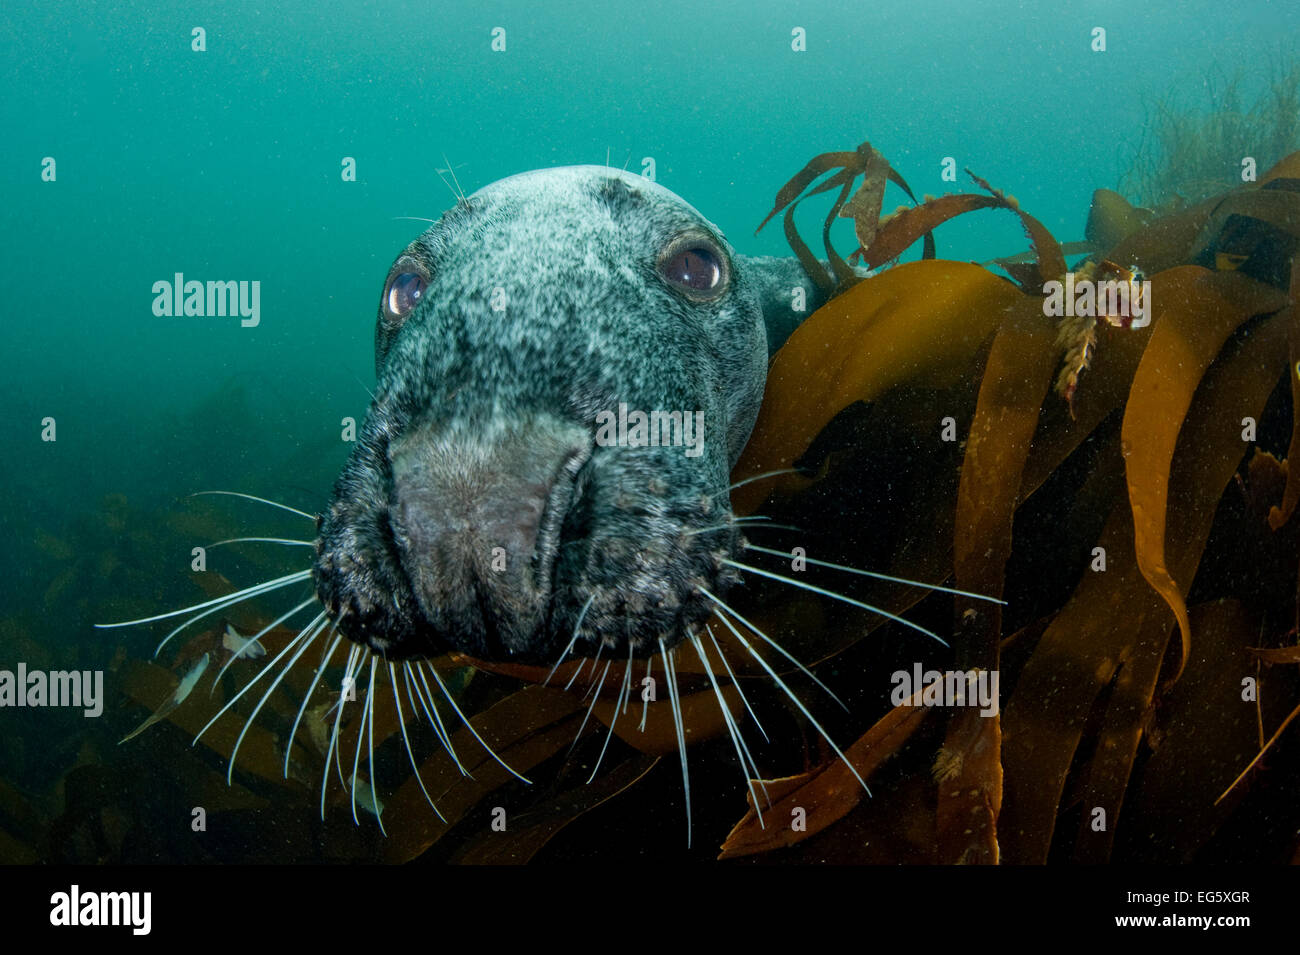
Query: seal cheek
x=477, y=519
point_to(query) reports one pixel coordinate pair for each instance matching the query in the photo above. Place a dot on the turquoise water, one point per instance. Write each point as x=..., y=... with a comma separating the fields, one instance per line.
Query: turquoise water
x=225, y=164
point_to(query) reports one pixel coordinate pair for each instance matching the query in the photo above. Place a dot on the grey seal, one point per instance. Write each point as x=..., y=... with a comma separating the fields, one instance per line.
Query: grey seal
x=478, y=510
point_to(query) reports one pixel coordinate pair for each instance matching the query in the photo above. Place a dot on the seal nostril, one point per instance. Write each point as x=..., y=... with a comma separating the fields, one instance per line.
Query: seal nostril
x=477, y=522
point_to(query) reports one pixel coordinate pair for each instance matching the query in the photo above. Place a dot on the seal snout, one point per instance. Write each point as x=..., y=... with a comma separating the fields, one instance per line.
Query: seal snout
x=477, y=517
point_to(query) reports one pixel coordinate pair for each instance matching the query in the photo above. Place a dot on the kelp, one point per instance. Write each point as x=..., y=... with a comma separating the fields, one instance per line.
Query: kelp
x=863, y=207
x=1087, y=696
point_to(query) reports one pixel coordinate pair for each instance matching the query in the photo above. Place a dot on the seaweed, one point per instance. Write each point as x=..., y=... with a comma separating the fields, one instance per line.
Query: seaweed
x=1101, y=680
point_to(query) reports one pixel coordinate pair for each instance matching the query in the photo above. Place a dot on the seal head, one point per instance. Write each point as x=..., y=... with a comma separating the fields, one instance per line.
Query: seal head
x=501, y=500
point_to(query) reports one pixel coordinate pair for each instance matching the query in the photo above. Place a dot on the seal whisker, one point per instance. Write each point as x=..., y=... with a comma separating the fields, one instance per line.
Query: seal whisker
x=748, y=527
x=260, y=673
x=594, y=660
x=361, y=732
x=414, y=693
x=795, y=700
x=645, y=702
x=618, y=704
x=451, y=170
x=260, y=500
x=315, y=680
x=252, y=591
x=228, y=602
x=879, y=576
x=262, y=540
x=830, y=593
x=576, y=627
x=772, y=643
x=370, y=747
x=436, y=718
x=349, y=687
x=316, y=626
x=761, y=477
x=252, y=641
x=577, y=736
x=736, y=683
x=353, y=653
x=406, y=740
x=671, y=680
x=470, y=726
x=737, y=738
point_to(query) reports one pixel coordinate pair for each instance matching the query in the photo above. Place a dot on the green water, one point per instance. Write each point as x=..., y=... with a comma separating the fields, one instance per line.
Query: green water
x=226, y=164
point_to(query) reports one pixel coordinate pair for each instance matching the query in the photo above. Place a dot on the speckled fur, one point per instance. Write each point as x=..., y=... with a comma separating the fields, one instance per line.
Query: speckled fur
x=466, y=392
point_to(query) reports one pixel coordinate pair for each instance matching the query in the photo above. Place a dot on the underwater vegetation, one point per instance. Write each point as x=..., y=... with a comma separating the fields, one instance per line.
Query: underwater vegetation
x=1118, y=478
x=1188, y=149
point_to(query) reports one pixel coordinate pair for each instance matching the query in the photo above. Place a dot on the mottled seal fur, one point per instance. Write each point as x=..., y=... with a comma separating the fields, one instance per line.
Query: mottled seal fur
x=477, y=511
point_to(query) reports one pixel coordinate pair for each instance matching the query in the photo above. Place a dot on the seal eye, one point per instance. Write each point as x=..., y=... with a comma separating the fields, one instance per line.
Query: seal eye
x=695, y=268
x=403, y=293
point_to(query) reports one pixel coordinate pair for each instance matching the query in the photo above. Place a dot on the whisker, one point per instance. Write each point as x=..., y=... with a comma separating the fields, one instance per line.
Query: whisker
x=262, y=540
x=681, y=732
x=227, y=602
x=417, y=219
x=315, y=681
x=452, y=171
x=470, y=726
x=253, y=639
x=594, y=660
x=260, y=500
x=748, y=527
x=252, y=591
x=370, y=748
x=830, y=593
x=776, y=646
x=622, y=696
x=645, y=703
x=879, y=576
x=736, y=683
x=334, y=734
x=576, y=627
x=795, y=700
x=356, y=661
x=760, y=477
x=737, y=739
x=316, y=626
x=436, y=718
x=260, y=673
x=361, y=731
x=401, y=721
x=577, y=736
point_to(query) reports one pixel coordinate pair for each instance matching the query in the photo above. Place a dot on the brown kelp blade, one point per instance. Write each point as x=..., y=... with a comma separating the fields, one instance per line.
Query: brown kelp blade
x=1016, y=380
x=1100, y=657
x=921, y=322
x=1193, y=313
x=862, y=205
x=1112, y=218
x=825, y=794
x=523, y=729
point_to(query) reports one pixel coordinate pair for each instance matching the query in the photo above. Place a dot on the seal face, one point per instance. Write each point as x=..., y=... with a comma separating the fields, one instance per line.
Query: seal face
x=497, y=501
